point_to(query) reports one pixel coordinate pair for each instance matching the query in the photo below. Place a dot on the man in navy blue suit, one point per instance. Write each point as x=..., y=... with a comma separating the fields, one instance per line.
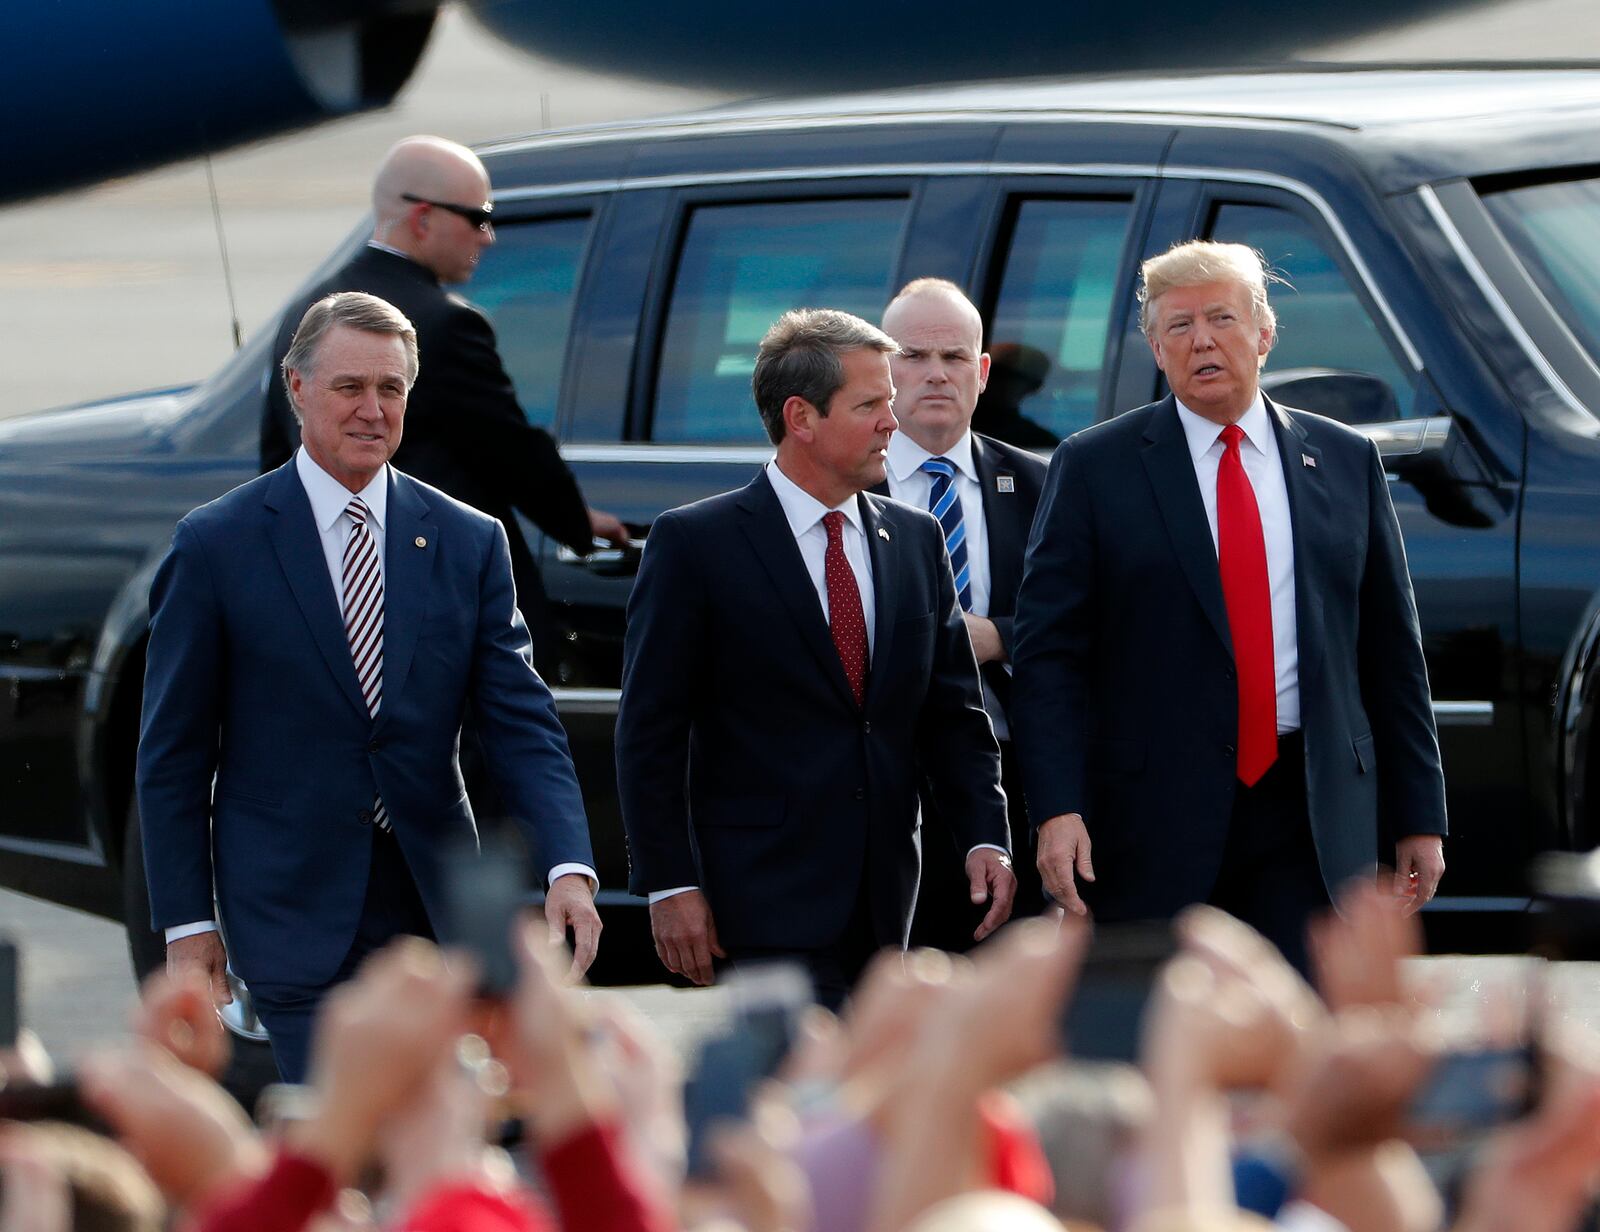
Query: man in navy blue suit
x=1219, y=668
x=796, y=661
x=315, y=637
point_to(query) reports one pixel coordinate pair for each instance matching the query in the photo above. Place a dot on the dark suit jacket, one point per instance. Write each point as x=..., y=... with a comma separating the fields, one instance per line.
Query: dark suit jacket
x=464, y=431
x=1007, y=519
x=1125, y=706
x=249, y=678
x=743, y=763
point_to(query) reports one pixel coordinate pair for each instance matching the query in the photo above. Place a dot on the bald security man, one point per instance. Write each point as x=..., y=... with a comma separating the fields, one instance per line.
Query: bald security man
x=984, y=493
x=465, y=431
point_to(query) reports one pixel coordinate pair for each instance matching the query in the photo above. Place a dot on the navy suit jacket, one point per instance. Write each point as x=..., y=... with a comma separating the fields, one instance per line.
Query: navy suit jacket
x=744, y=765
x=1125, y=706
x=249, y=679
x=1007, y=519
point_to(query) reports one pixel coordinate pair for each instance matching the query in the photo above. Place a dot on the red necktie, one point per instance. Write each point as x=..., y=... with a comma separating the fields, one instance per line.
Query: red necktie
x=1242, y=558
x=845, y=619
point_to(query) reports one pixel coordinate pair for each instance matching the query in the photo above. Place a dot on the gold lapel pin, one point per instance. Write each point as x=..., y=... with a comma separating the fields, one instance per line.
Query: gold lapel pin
x=421, y=542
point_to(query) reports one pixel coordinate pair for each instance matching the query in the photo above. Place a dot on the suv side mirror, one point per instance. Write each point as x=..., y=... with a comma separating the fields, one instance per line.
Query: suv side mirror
x=1350, y=397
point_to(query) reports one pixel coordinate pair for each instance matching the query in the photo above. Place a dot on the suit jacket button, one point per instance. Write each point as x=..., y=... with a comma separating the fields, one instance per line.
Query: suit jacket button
x=365, y=817
x=1230, y=673
x=861, y=793
x=866, y=727
x=374, y=747
x=1227, y=750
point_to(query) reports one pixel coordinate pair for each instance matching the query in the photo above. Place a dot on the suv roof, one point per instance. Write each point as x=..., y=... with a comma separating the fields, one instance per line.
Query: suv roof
x=1473, y=118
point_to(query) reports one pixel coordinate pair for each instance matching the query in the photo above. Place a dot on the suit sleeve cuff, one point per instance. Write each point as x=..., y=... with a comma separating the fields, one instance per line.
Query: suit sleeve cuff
x=179, y=931
x=657, y=895
x=583, y=870
x=990, y=847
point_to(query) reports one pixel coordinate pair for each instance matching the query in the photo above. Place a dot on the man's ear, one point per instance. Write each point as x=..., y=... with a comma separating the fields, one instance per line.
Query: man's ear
x=799, y=418
x=983, y=372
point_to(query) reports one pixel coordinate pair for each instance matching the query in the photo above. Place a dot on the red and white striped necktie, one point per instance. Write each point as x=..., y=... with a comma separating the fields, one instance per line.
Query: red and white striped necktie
x=363, y=618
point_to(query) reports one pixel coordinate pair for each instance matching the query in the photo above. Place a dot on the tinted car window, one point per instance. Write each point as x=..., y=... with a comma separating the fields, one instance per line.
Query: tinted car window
x=743, y=266
x=1048, y=342
x=1322, y=323
x=1555, y=231
x=527, y=283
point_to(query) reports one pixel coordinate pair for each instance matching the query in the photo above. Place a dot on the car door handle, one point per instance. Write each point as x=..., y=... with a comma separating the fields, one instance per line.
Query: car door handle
x=606, y=556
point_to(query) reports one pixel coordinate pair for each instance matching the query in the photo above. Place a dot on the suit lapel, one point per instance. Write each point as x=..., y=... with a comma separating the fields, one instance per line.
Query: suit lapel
x=410, y=546
x=885, y=554
x=767, y=529
x=1002, y=525
x=1309, y=516
x=1171, y=472
x=298, y=544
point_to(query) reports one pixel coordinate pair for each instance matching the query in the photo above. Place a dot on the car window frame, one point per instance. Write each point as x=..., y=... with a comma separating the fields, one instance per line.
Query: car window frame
x=1009, y=192
x=639, y=425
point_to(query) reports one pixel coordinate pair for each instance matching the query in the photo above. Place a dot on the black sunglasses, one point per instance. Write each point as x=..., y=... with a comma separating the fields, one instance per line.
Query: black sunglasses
x=480, y=216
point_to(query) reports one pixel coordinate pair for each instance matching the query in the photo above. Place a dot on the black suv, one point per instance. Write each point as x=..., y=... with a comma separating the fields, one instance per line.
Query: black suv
x=1439, y=231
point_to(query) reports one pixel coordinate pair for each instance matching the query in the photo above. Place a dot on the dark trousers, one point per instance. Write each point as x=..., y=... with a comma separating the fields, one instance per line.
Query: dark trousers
x=1270, y=878
x=946, y=917
x=392, y=908
x=834, y=968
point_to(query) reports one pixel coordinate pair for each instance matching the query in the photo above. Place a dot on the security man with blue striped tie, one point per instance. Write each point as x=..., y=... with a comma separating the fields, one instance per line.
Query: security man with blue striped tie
x=984, y=493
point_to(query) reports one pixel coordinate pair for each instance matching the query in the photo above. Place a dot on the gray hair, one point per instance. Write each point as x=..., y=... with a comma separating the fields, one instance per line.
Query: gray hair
x=1201, y=261
x=799, y=358
x=357, y=310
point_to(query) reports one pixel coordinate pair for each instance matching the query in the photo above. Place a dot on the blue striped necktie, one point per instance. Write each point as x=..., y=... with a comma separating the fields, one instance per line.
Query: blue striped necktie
x=945, y=505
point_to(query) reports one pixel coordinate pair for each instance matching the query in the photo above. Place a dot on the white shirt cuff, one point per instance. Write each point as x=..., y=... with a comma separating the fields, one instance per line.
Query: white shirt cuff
x=1005, y=851
x=563, y=870
x=657, y=895
x=179, y=931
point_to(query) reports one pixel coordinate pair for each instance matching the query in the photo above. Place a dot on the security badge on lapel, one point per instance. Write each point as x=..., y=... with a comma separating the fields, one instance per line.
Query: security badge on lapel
x=1005, y=483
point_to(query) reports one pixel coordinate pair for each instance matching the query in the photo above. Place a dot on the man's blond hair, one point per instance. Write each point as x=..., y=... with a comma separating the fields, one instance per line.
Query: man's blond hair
x=1201, y=261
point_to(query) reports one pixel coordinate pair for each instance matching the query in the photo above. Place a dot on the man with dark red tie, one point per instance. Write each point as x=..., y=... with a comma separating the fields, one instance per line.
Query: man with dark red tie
x=1220, y=689
x=796, y=661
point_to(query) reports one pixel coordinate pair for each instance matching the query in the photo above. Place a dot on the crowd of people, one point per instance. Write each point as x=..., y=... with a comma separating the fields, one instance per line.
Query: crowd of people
x=944, y=1098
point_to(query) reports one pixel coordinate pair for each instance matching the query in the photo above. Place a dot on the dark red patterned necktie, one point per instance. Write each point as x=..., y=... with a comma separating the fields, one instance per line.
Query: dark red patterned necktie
x=845, y=619
x=1242, y=558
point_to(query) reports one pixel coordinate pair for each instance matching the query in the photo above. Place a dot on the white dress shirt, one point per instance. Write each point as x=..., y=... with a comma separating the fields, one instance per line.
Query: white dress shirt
x=1264, y=468
x=911, y=484
x=804, y=513
x=329, y=499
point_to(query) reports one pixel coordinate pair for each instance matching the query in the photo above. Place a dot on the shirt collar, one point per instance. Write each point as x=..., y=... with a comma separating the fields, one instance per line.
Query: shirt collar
x=329, y=498
x=382, y=247
x=804, y=510
x=906, y=456
x=1203, y=433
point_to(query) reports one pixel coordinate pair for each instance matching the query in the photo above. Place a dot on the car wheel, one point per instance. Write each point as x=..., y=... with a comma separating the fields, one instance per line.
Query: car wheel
x=251, y=1067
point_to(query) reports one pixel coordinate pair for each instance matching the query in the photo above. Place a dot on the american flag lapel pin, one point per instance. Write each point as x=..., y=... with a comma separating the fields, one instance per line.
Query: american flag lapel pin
x=1307, y=460
x=1005, y=483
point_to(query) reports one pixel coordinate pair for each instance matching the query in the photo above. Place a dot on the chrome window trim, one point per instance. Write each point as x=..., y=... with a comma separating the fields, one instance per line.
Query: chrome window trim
x=1502, y=310
x=1463, y=714
x=50, y=849
x=1265, y=179
x=643, y=451
x=586, y=701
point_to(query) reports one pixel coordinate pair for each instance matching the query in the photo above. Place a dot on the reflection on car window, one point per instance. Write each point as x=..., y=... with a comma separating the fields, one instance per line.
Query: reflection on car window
x=1555, y=231
x=526, y=283
x=742, y=267
x=1048, y=342
x=1322, y=324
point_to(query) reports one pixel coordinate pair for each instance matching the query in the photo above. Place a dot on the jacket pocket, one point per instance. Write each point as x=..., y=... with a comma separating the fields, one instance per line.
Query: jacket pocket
x=248, y=797
x=1366, y=754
